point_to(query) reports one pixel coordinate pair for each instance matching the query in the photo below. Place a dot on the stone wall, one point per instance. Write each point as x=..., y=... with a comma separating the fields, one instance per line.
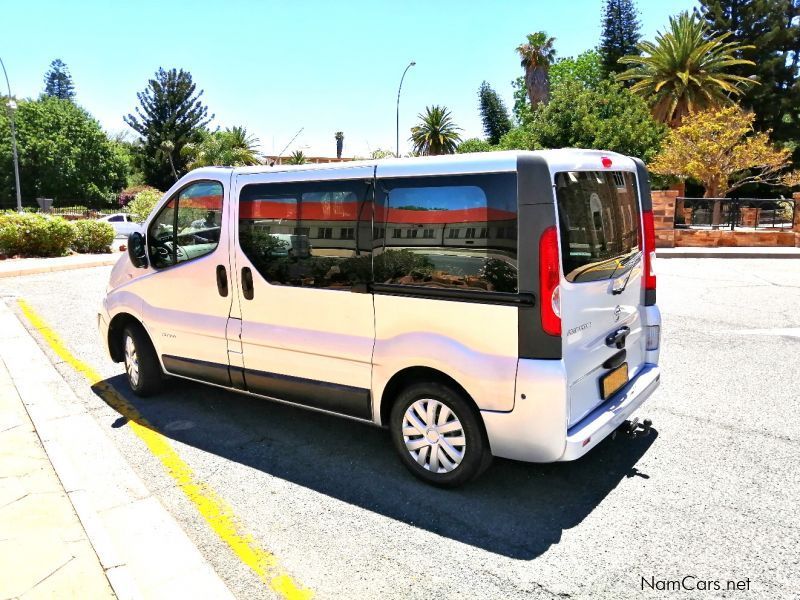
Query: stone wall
x=717, y=238
x=664, y=208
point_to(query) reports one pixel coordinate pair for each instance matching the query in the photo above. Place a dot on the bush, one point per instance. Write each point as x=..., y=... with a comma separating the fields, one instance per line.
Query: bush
x=474, y=145
x=93, y=237
x=30, y=234
x=127, y=195
x=143, y=204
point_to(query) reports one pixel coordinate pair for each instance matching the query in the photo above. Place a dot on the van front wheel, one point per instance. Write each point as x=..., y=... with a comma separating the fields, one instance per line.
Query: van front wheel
x=438, y=435
x=141, y=363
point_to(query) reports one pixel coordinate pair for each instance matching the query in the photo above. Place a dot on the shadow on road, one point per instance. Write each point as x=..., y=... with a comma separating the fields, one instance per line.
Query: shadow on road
x=515, y=509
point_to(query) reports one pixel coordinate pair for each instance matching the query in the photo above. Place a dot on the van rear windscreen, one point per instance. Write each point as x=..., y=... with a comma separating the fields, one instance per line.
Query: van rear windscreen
x=598, y=216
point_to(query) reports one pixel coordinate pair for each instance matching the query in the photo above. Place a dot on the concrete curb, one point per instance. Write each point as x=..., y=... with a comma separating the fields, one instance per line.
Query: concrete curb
x=728, y=253
x=142, y=549
x=18, y=267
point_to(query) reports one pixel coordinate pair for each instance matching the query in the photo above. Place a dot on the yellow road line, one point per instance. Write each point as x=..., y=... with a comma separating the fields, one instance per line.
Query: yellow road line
x=213, y=508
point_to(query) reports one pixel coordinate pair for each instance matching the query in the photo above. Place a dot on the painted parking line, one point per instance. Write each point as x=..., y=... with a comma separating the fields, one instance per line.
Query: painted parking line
x=211, y=506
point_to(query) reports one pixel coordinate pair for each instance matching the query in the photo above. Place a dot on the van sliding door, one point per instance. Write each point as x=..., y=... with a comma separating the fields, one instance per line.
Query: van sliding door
x=302, y=249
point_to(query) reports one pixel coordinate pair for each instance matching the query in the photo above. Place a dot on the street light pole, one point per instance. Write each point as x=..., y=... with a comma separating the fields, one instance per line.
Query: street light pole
x=12, y=106
x=397, y=141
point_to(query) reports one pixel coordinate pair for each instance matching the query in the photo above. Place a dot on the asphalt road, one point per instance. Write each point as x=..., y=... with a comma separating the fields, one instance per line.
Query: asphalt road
x=713, y=493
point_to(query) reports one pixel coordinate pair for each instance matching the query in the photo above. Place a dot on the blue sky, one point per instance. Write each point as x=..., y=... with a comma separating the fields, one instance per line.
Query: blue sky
x=275, y=67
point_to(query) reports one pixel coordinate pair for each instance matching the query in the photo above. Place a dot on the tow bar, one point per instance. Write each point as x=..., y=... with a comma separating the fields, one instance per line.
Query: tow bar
x=634, y=429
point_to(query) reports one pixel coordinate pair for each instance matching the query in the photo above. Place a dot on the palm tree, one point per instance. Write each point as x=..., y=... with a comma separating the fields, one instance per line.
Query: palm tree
x=536, y=57
x=339, y=143
x=297, y=158
x=233, y=147
x=436, y=133
x=685, y=70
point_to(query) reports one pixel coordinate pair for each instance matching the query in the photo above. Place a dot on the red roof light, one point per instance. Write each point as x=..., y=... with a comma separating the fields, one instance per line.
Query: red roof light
x=606, y=162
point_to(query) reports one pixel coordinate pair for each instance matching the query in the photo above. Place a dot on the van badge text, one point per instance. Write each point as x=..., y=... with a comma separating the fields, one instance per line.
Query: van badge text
x=581, y=327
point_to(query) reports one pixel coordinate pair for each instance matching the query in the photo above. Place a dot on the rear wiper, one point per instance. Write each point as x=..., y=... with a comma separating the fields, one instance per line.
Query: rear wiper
x=632, y=262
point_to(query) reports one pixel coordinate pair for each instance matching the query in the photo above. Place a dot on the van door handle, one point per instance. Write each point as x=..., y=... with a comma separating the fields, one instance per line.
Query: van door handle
x=247, y=283
x=617, y=339
x=222, y=281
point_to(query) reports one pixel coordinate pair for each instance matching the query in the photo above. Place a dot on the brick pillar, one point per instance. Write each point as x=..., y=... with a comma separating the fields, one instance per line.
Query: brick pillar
x=796, y=224
x=664, y=217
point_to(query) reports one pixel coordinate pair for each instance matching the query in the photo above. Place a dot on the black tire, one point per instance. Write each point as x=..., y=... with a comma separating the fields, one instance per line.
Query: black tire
x=476, y=456
x=150, y=378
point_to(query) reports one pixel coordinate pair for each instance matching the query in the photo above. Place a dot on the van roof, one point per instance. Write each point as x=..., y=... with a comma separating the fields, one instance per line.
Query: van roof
x=561, y=159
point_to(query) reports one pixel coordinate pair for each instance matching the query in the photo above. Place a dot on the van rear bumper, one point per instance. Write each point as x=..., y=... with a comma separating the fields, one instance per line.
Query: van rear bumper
x=598, y=424
x=535, y=430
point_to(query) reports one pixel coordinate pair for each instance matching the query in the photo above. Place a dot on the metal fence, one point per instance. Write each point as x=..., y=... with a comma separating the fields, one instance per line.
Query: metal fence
x=734, y=213
x=70, y=212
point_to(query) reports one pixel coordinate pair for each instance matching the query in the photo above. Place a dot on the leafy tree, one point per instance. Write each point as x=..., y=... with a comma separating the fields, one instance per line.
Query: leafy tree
x=381, y=153
x=769, y=32
x=685, y=70
x=720, y=149
x=606, y=117
x=339, y=143
x=474, y=145
x=436, y=132
x=586, y=69
x=233, y=147
x=621, y=34
x=63, y=152
x=536, y=56
x=494, y=115
x=58, y=81
x=297, y=158
x=170, y=116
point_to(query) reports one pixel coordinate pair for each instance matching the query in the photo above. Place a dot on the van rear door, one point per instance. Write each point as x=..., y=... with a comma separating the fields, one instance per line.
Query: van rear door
x=599, y=222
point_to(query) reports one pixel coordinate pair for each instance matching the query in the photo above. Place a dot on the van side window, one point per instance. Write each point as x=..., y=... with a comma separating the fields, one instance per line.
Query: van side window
x=449, y=225
x=188, y=226
x=308, y=234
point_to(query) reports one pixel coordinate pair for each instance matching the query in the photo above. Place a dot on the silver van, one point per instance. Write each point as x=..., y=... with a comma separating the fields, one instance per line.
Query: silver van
x=478, y=305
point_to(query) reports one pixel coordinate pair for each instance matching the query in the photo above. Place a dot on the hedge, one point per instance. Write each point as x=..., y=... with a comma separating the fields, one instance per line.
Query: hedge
x=28, y=234
x=92, y=237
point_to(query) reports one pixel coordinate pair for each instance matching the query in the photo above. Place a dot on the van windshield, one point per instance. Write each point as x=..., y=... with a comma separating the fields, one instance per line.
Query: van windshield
x=598, y=216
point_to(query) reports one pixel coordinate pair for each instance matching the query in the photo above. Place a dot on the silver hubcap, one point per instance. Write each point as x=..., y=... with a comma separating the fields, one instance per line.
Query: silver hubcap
x=434, y=436
x=131, y=361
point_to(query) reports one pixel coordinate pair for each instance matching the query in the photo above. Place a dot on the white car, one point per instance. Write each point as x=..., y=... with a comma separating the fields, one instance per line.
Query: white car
x=476, y=305
x=122, y=223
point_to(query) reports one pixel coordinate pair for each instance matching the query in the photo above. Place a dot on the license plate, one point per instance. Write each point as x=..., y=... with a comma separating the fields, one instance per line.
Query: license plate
x=613, y=382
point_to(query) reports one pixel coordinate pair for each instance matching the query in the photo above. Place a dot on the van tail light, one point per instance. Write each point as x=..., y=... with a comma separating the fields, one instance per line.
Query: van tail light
x=549, y=278
x=649, y=258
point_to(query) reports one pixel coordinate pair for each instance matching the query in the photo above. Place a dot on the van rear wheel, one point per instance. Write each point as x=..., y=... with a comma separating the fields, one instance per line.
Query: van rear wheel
x=438, y=435
x=141, y=363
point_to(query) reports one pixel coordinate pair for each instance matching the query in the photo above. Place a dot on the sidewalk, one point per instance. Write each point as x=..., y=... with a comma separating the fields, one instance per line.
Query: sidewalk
x=44, y=550
x=14, y=267
x=141, y=548
x=728, y=252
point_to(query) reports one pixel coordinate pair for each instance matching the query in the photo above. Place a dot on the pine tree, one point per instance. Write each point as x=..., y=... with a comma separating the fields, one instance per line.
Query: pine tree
x=621, y=33
x=772, y=27
x=496, y=122
x=58, y=81
x=170, y=116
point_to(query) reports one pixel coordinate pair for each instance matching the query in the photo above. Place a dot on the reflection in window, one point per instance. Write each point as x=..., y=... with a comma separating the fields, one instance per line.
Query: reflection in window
x=308, y=234
x=454, y=213
x=599, y=224
x=188, y=226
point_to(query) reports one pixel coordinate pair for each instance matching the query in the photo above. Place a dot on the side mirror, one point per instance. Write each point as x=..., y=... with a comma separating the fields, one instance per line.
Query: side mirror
x=136, y=250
